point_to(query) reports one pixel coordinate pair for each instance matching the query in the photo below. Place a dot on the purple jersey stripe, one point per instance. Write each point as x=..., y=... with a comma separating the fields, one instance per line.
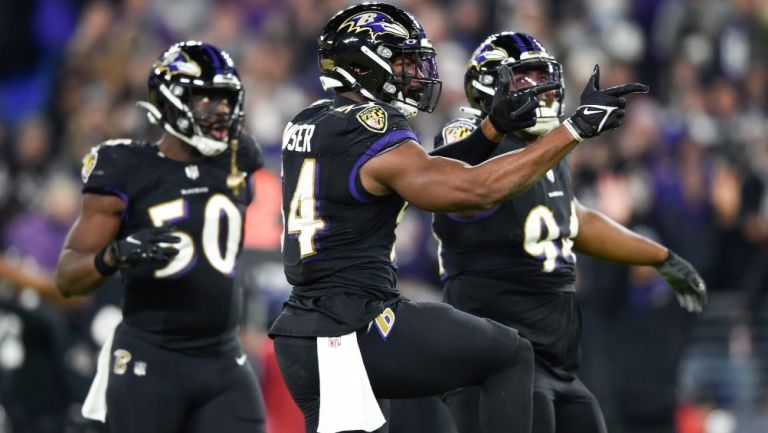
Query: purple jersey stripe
x=474, y=217
x=375, y=149
x=123, y=196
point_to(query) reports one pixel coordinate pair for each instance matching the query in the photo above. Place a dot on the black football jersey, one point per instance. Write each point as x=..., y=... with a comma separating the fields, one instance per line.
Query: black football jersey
x=192, y=302
x=526, y=241
x=513, y=263
x=338, y=245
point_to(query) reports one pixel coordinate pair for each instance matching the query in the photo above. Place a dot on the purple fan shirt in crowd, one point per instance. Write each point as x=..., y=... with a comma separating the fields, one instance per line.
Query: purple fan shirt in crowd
x=36, y=236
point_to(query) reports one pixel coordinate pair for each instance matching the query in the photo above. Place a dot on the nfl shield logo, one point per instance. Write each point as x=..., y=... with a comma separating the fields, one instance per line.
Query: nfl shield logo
x=192, y=172
x=374, y=118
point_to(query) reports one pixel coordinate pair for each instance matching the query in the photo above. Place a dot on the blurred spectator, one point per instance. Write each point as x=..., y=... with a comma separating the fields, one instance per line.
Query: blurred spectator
x=32, y=154
x=39, y=232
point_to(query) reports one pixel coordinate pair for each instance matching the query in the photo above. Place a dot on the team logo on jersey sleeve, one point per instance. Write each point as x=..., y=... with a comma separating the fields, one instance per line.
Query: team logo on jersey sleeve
x=457, y=131
x=89, y=162
x=374, y=118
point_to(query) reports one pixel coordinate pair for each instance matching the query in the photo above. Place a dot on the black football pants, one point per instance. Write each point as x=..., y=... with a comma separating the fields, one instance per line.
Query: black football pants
x=431, y=349
x=162, y=391
x=559, y=406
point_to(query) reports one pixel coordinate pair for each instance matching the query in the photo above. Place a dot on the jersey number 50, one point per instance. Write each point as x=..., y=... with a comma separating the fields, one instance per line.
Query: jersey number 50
x=218, y=205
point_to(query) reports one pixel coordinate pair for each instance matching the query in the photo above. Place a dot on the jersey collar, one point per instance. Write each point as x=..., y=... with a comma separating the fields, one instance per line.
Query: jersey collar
x=340, y=101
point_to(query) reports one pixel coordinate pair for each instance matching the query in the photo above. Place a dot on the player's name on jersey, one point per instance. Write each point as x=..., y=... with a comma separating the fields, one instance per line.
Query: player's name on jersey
x=298, y=138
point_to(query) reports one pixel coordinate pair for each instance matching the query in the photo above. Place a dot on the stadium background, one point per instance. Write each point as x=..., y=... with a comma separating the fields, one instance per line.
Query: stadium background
x=689, y=167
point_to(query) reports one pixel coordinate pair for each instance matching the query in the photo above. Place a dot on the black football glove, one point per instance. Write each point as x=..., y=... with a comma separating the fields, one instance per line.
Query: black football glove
x=517, y=110
x=685, y=281
x=144, y=246
x=600, y=109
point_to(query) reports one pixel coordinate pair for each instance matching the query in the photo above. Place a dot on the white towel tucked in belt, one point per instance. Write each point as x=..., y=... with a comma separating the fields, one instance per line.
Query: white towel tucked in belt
x=95, y=404
x=346, y=398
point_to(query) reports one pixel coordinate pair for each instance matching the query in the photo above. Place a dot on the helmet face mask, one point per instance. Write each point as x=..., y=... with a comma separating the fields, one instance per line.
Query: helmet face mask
x=195, y=94
x=530, y=65
x=212, y=110
x=380, y=52
x=415, y=76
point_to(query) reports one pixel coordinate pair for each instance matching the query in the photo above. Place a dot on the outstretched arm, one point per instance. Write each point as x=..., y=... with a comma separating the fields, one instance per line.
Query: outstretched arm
x=601, y=237
x=445, y=185
x=42, y=283
x=19, y=278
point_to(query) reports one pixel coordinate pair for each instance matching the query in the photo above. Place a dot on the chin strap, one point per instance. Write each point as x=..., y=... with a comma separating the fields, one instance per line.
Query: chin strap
x=472, y=111
x=405, y=105
x=206, y=146
x=408, y=111
x=153, y=114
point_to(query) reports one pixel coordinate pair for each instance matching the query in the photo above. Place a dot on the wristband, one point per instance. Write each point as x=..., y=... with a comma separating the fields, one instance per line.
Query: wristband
x=572, y=129
x=103, y=268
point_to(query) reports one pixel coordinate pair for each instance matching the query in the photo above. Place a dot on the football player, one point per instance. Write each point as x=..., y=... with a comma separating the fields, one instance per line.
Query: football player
x=168, y=216
x=514, y=262
x=346, y=337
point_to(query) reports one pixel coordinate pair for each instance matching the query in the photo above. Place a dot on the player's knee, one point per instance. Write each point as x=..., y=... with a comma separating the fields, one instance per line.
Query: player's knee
x=524, y=352
x=520, y=354
x=513, y=349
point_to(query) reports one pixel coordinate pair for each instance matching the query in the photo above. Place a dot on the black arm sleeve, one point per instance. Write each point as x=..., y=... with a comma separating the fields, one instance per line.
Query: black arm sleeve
x=473, y=150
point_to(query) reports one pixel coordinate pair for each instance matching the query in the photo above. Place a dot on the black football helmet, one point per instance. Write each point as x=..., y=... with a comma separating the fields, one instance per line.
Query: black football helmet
x=359, y=46
x=530, y=64
x=189, y=69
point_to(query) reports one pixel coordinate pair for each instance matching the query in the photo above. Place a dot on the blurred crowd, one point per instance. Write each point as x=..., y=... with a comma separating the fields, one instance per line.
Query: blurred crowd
x=689, y=167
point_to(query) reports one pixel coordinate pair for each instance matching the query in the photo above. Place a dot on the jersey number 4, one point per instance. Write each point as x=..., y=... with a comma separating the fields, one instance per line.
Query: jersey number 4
x=542, y=233
x=302, y=213
x=218, y=205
